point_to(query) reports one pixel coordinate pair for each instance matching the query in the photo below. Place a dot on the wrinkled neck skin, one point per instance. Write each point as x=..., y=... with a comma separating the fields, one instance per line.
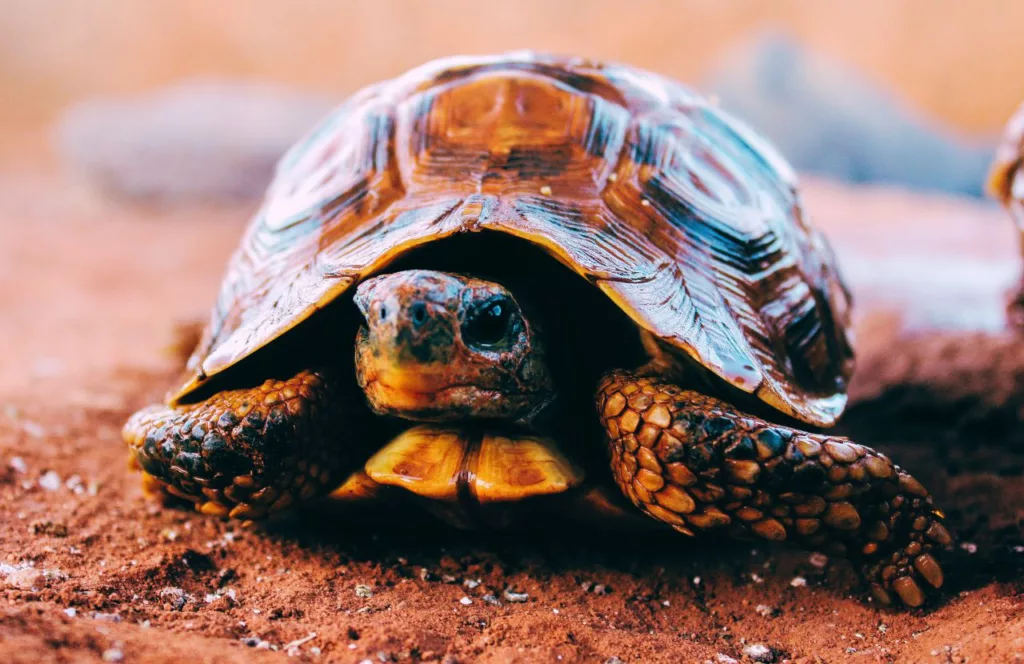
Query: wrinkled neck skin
x=440, y=347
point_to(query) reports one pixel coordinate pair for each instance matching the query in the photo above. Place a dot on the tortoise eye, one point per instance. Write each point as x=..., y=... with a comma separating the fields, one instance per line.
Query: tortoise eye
x=490, y=325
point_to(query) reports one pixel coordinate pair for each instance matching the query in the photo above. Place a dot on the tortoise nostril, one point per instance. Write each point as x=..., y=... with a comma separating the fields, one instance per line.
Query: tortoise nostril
x=383, y=312
x=418, y=313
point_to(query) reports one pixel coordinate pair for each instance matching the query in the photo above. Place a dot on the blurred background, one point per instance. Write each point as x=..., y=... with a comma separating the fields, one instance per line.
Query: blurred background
x=890, y=110
x=912, y=92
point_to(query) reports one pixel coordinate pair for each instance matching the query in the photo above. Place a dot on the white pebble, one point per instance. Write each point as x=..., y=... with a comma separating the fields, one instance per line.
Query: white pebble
x=818, y=560
x=969, y=547
x=759, y=653
x=465, y=601
x=33, y=429
x=514, y=597
x=18, y=464
x=71, y=612
x=50, y=481
x=113, y=655
x=798, y=582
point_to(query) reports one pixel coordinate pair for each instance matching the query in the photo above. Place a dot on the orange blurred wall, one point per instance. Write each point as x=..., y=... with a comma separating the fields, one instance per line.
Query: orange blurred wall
x=962, y=61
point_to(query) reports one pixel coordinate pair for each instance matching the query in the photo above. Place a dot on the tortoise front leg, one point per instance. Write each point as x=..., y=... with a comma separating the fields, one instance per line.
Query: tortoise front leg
x=697, y=463
x=249, y=452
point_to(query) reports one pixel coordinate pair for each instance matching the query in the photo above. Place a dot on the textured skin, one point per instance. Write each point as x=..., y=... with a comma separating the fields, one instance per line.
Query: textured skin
x=697, y=464
x=686, y=218
x=1006, y=184
x=247, y=453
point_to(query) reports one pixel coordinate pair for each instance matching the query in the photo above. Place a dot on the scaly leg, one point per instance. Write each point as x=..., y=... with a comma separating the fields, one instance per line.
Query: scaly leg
x=246, y=453
x=697, y=463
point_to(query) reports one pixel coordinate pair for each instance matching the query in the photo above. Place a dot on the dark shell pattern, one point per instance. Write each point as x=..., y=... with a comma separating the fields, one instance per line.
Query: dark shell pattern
x=686, y=218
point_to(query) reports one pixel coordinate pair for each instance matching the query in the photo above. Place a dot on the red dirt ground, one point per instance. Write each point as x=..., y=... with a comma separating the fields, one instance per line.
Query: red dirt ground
x=91, y=293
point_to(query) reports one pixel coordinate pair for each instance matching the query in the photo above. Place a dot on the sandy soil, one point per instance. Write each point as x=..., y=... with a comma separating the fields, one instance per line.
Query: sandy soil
x=91, y=293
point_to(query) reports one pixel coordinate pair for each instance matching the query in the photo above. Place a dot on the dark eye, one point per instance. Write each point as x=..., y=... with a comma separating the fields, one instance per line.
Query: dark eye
x=489, y=325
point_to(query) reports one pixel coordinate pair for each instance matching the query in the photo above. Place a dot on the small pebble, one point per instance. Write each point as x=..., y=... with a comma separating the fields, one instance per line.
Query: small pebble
x=71, y=612
x=469, y=583
x=364, y=591
x=176, y=597
x=969, y=547
x=759, y=653
x=465, y=601
x=798, y=582
x=46, y=527
x=818, y=560
x=50, y=481
x=545, y=190
x=107, y=617
x=491, y=599
x=113, y=655
x=33, y=429
x=722, y=658
x=764, y=610
x=18, y=464
x=601, y=589
x=516, y=598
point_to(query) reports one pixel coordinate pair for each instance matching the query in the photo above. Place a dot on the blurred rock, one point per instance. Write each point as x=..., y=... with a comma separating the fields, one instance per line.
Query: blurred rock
x=202, y=139
x=829, y=119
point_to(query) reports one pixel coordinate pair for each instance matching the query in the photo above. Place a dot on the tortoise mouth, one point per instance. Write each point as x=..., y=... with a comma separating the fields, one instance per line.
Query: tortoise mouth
x=421, y=401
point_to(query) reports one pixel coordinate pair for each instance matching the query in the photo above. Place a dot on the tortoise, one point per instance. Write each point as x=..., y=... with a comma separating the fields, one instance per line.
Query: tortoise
x=1006, y=184
x=509, y=243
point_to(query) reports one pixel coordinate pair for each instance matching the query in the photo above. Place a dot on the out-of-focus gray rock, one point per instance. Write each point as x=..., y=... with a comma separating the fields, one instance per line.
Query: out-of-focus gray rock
x=829, y=119
x=200, y=140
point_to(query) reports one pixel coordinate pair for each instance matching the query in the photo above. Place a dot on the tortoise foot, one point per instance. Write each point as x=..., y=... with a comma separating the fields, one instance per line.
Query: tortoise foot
x=247, y=453
x=698, y=464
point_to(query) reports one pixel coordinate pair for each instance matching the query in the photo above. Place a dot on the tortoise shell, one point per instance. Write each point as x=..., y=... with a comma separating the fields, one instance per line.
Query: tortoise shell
x=687, y=219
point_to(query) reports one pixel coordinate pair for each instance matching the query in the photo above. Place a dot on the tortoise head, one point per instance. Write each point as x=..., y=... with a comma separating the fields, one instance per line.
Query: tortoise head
x=439, y=346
